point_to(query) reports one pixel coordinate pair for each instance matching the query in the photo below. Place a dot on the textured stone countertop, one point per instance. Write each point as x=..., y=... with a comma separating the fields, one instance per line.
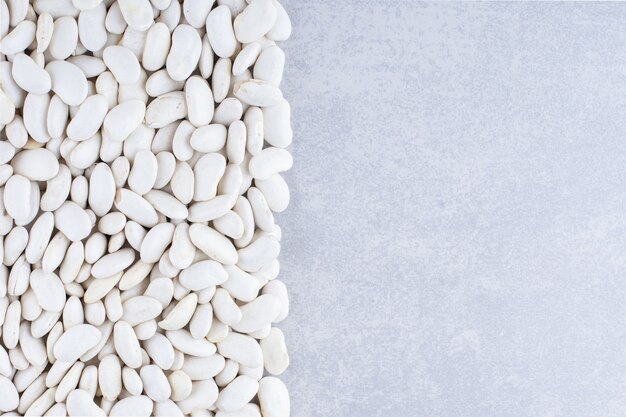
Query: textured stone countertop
x=456, y=241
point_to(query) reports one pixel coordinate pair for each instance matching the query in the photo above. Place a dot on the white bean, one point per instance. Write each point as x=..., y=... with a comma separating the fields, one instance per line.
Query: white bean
x=68, y=81
x=255, y=20
x=64, y=37
x=156, y=48
x=91, y=26
x=184, y=52
x=219, y=29
x=19, y=38
x=30, y=76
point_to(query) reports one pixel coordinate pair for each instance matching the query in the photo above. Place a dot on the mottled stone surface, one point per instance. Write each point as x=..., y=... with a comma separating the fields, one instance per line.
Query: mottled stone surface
x=456, y=241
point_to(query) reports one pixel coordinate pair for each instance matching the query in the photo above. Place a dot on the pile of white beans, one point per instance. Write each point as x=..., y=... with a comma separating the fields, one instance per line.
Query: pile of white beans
x=141, y=150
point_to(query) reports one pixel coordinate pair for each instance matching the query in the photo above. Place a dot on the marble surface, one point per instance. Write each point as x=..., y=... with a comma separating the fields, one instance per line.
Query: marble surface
x=456, y=241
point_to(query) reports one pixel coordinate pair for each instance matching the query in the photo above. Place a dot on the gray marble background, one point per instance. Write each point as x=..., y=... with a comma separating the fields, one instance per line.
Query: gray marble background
x=456, y=242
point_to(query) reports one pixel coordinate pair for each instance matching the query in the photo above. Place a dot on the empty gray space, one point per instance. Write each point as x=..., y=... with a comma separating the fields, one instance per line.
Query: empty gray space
x=456, y=240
